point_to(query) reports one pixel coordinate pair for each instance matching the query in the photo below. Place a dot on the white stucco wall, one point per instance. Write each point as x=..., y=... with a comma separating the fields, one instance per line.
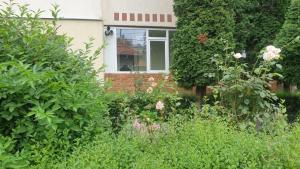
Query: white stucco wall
x=70, y=9
x=138, y=6
x=82, y=31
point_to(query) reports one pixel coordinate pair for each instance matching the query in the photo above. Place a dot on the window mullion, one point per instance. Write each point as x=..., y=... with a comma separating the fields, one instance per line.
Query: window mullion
x=167, y=52
x=148, y=51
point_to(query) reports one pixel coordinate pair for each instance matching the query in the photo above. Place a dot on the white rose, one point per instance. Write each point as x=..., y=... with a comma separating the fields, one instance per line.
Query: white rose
x=271, y=53
x=238, y=55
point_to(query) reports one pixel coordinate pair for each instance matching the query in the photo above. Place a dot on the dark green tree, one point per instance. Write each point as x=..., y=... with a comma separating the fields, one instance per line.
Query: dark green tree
x=257, y=23
x=289, y=40
x=204, y=28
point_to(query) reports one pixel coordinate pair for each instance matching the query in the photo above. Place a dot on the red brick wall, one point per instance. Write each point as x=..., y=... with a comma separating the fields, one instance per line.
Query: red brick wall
x=129, y=82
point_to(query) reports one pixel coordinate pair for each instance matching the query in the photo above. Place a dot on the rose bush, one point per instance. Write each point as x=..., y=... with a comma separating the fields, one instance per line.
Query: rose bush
x=150, y=105
x=242, y=94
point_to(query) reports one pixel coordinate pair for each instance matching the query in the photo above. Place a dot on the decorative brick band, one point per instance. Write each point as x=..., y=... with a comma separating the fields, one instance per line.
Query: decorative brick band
x=132, y=17
x=124, y=16
x=147, y=17
x=162, y=18
x=154, y=17
x=140, y=17
x=116, y=16
x=143, y=17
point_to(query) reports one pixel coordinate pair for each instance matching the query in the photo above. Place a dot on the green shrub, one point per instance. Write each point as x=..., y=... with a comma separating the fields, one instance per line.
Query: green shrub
x=49, y=94
x=196, y=144
x=292, y=103
x=8, y=158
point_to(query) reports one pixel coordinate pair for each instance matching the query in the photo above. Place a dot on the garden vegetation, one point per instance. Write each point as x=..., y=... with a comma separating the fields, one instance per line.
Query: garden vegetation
x=55, y=113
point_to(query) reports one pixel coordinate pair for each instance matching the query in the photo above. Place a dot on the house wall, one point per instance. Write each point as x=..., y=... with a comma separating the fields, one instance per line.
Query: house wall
x=69, y=9
x=79, y=19
x=145, y=13
x=82, y=31
x=132, y=13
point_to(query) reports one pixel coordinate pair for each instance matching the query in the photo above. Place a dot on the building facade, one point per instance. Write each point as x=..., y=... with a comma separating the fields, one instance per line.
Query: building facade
x=135, y=33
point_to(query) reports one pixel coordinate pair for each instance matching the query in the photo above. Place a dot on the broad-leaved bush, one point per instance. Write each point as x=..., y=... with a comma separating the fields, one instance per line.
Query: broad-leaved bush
x=49, y=94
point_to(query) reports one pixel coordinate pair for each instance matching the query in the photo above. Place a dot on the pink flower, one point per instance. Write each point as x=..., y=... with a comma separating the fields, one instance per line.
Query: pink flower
x=137, y=125
x=159, y=105
x=153, y=84
x=151, y=79
x=149, y=90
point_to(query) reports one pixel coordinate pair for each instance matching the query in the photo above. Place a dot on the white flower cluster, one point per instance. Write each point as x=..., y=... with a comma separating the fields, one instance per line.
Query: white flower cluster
x=271, y=53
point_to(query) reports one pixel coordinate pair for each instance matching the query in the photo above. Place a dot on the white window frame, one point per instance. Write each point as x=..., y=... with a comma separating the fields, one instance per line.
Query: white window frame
x=112, y=61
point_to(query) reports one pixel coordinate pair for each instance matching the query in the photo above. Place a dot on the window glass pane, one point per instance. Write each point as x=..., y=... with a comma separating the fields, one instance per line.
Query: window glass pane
x=157, y=33
x=171, y=35
x=157, y=51
x=131, y=50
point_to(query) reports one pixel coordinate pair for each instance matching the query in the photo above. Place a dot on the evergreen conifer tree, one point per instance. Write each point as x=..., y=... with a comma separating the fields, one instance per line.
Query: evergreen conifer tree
x=289, y=40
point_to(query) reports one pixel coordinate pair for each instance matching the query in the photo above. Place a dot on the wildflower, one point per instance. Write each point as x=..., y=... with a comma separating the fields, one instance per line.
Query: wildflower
x=151, y=79
x=149, y=90
x=271, y=53
x=153, y=84
x=137, y=125
x=238, y=55
x=159, y=105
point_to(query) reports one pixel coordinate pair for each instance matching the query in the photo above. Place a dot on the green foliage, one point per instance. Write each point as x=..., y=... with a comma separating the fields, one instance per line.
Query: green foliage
x=197, y=144
x=289, y=39
x=249, y=25
x=49, y=94
x=202, y=28
x=292, y=103
x=8, y=159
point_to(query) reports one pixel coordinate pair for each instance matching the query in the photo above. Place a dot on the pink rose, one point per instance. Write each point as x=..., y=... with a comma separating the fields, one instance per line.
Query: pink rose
x=153, y=84
x=151, y=79
x=159, y=105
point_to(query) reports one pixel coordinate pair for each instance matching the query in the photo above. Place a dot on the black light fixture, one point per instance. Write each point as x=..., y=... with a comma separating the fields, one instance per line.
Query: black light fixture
x=108, y=31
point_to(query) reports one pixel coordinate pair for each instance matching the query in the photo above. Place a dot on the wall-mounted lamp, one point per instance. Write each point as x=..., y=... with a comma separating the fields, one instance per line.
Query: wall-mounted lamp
x=108, y=31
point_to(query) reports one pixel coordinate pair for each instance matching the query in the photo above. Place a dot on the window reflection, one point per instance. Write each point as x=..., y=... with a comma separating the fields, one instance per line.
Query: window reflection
x=131, y=50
